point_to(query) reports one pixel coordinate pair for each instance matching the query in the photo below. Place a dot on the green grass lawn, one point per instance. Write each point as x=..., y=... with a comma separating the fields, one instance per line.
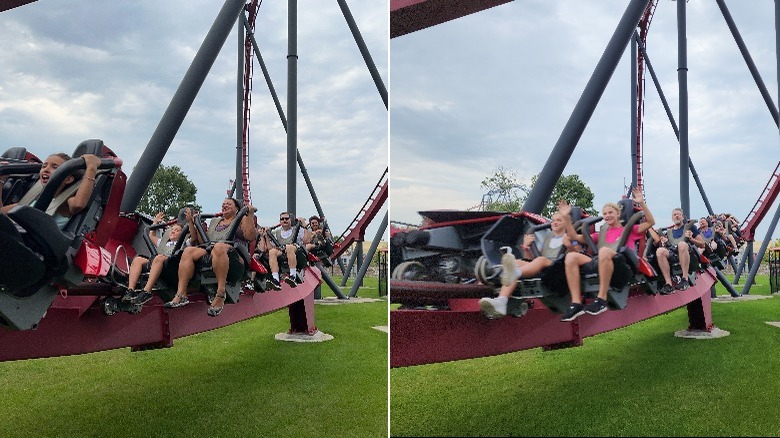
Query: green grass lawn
x=235, y=381
x=636, y=381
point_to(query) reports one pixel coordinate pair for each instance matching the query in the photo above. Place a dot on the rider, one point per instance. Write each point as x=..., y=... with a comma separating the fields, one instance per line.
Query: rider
x=608, y=240
x=319, y=235
x=77, y=201
x=219, y=254
x=512, y=268
x=677, y=234
x=141, y=263
x=288, y=246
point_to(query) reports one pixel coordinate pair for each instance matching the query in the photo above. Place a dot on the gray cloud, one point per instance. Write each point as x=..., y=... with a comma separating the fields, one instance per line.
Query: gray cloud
x=74, y=70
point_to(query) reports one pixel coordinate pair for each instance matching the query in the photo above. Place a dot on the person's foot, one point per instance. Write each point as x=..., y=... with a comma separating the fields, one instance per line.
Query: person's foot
x=274, y=284
x=290, y=281
x=176, y=302
x=684, y=284
x=508, y=269
x=130, y=295
x=298, y=279
x=597, y=307
x=575, y=310
x=142, y=298
x=666, y=290
x=493, y=308
x=217, y=305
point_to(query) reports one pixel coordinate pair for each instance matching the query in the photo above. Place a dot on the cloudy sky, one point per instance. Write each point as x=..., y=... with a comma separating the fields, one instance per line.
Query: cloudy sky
x=77, y=69
x=497, y=87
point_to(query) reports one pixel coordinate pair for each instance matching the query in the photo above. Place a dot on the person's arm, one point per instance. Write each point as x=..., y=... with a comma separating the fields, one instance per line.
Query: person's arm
x=697, y=238
x=525, y=248
x=78, y=201
x=194, y=236
x=565, y=210
x=158, y=219
x=248, y=224
x=649, y=219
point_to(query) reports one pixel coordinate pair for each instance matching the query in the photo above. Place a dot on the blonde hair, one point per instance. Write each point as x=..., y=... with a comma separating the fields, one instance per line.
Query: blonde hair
x=612, y=205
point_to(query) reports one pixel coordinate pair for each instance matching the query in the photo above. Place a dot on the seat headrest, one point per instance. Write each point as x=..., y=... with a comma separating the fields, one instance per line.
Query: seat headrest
x=16, y=153
x=627, y=210
x=93, y=146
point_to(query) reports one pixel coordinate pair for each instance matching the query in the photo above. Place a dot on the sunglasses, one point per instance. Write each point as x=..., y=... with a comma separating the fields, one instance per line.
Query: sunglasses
x=284, y=218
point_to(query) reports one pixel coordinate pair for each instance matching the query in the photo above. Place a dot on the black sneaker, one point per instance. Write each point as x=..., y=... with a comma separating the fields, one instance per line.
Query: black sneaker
x=274, y=284
x=666, y=290
x=142, y=298
x=684, y=284
x=290, y=281
x=130, y=295
x=575, y=310
x=597, y=307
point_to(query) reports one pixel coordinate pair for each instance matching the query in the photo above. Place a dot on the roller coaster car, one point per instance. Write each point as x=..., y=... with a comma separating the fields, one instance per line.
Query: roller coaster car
x=448, y=247
x=551, y=287
x=698, y=260
x=37, y=258
x=204, y=279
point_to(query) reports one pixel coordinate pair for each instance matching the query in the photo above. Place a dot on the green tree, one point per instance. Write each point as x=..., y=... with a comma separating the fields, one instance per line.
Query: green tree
x=569, y=188
x=169, y=191
x=505, y=191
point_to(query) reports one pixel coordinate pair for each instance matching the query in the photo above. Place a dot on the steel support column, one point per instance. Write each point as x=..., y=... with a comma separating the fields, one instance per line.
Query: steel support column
x=292, y=105
x=180, y=104
x=369, y=256
x=585, y=107
x=682, y=79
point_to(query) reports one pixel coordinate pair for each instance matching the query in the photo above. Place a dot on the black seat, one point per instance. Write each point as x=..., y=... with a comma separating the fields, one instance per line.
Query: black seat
x=47, y=247
x=20, y=173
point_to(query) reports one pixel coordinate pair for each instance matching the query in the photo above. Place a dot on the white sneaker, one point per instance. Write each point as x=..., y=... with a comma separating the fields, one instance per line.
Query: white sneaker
x=493, y=308
x=509, y=271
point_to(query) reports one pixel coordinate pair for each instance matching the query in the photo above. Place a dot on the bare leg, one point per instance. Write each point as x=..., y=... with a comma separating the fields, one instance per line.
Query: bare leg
x=273, y=259
x=220, y=263
x=136, y=267
x=685, y=258
x=606, y=268
x=187, y=269
x=528, y=270
x=573, y=262
x=291, y=259
x=662, y=255
x=155, y=271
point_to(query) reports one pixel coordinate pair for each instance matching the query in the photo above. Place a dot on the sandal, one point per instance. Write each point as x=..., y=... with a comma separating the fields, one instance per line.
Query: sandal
x=183, y=301
x=215, y=311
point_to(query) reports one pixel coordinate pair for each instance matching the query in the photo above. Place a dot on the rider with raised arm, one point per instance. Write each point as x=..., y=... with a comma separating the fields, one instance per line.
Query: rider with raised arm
x=608, y=240
x=528, y=266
